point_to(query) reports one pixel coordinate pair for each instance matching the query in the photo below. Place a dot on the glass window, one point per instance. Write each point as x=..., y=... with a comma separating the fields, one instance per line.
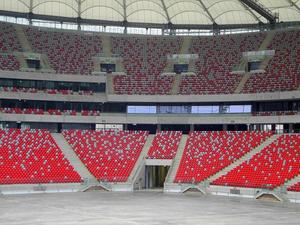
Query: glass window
x=205, y=109
x=141, y=109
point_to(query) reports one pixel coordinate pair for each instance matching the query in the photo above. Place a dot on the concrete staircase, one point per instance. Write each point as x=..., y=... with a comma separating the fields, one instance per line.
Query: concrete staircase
x=242, y=83
x=169, y=67
x=245, y=157
x=110, y=84
x=106, y=46
x=263, y=46
x=23, y=39
x=72, y=157
x=21, y=60
x=289, y=183
x=176, y=83
x=141, y=160
x=266, y=42
x=187, y=41
x=46, y=64
x=176, y=161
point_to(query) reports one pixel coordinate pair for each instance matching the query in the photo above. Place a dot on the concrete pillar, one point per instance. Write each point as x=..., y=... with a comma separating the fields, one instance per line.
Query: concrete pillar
x=225, y=127
x=248, y=127
x=192, y=127
x=291, y=128
x=158, y=127
x=125, y=126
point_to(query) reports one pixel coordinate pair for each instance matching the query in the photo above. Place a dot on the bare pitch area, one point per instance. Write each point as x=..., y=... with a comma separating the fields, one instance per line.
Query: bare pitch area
x=153, y=208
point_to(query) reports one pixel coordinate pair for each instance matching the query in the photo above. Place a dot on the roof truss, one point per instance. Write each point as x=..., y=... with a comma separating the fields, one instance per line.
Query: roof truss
x=259, y=8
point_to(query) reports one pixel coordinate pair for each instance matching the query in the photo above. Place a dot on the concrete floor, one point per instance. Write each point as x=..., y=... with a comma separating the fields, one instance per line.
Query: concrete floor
x=153, y=208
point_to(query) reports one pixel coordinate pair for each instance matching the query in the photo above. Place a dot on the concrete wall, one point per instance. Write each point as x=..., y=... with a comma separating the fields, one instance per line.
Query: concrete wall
x=40, y=96
x=52, y=77
x=206, y=98
x=123, y=118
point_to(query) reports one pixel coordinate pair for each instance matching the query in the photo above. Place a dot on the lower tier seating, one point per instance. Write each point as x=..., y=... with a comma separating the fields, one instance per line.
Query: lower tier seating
x=270, y=168
x=295, y=187
x=108, y=155
x=206, y=153
x=32, y=156
x=56, y=112
x=47, y=91
x=164, y=145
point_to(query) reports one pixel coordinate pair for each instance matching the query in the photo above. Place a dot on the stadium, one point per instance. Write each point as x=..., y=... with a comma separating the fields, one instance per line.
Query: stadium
x=149, y=112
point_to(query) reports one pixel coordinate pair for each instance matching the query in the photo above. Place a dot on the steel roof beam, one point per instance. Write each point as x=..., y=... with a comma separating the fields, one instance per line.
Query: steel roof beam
x=293, y=4
x=166, y=11
x=207, y=11
x=134, y=24
x=260, y=9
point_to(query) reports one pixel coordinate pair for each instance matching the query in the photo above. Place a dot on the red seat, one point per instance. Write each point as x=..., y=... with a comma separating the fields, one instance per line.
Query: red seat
x=270, y=168
x=32, y=156
x=108, y=155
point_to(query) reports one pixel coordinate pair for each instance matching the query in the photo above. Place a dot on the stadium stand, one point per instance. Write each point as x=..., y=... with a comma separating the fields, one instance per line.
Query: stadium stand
x=9, y=62
x=8, y=38
x=49, y=111
x=164, y=145
x=270, y=168
x=282, y=71
x=206, y=153
x=144, y=60
x=217, y=58
x=32, y=156
x=68, y=52
x=295, y=187
x=275, y=113
x=108, y=155
x=48, y=91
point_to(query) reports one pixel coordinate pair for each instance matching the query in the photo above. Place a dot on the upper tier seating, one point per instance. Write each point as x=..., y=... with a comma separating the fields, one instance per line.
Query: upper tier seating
x=206, y=153
x=217, y=58
x=144, y=60
x=283, y=71
x=8, y=38
x=164, y=145
x=9, y=62
x=32, y=156
x=270, y=168
x=295, y=187
x=108, y=155
x=68, y=52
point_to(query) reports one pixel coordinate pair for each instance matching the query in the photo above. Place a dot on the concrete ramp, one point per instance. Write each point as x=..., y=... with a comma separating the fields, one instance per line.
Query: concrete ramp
x=26, y=46
x=176, y=161
x=72, y=157
x=245, y=157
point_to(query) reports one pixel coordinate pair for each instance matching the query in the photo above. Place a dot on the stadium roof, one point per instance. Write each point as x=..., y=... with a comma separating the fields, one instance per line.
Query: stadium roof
x=151, y=13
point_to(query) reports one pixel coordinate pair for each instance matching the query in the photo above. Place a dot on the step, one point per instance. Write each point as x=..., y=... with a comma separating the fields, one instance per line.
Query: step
x=247, y=156
x=45, y=64
x=267, y=41
x=176, y=161
x=141, y=160
x=106, y=46
x=242, y=83
x=187, y=41
x=72, y=157
x=110, y=84
x=26, y=46
x=176, y=84
x=290, y=183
